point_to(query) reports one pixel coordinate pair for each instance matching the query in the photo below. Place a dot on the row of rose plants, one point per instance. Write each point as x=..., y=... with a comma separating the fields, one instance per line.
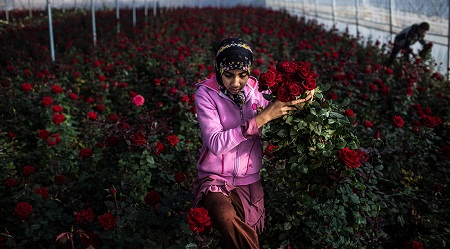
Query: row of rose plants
x=98, y=149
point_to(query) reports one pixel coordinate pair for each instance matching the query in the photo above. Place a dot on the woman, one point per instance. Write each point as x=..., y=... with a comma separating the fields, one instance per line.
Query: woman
x=228, y=183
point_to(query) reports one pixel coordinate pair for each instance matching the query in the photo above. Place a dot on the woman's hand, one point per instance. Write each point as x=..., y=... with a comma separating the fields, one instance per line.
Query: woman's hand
x=278, y=109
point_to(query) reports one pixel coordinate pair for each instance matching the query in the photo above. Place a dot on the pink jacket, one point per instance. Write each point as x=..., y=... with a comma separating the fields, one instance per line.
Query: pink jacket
x=226, y=151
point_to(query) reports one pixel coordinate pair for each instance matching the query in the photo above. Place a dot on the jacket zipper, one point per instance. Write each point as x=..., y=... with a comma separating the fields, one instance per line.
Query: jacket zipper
x=236, y=165
x=249, y=153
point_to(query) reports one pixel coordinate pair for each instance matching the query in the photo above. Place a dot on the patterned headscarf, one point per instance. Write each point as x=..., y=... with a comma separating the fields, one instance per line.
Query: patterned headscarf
x=233, y=53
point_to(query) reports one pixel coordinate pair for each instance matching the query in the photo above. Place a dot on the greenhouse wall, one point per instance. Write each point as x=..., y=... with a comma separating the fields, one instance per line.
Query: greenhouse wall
x=369, y=19
x=379, y=19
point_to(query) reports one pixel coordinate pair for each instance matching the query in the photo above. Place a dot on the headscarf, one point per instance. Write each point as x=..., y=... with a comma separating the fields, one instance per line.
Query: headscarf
x=233, y=53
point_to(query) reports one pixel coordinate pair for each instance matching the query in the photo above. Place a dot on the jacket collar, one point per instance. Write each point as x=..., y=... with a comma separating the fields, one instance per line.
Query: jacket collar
x=212, y=84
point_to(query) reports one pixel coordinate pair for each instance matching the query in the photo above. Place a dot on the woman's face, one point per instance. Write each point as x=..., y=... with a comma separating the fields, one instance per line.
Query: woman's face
x=235, y=80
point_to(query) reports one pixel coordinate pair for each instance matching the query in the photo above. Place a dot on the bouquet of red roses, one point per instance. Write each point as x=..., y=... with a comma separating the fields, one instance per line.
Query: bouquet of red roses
x=288, y=81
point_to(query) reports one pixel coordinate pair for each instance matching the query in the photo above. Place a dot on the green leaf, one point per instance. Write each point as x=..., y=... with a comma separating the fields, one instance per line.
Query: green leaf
x=354, y=198
x=320, y=146
x=303, y=168
x=28, y=232
x=282, y=133
x=191, y=246
x=287, y=226
x=35, y=226
x=302, y=125
x=324, y=113
x=268, y=97
x=336, y=115
x=341, y=144
x=289, y=120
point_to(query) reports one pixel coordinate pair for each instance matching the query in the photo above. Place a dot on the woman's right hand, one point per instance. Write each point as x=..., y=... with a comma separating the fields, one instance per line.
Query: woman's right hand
x=278, y=109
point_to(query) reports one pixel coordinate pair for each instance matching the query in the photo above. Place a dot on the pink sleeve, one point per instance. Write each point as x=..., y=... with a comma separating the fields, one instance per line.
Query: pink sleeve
x=250, y=128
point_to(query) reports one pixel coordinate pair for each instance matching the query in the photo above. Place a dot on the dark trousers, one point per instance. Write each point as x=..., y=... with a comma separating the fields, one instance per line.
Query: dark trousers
x=228, y=217
x=394, y=52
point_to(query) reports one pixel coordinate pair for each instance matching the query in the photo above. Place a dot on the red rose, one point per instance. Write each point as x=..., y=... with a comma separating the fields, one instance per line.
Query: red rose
x=92, y=115
x=179, y=177
x=28, y=170
x=431, y=121
x=304, y=70
x=100, y=107
x=11, y=182
x=349, y=113
x=114, y=118
x=333, y=96
x=138, y=138
x=86, y=152
x=398, y=121
x=58, y=118
x=107, y=221
x=283, y=95
x=295, y=89
x=84, y=217
x=268, y=79
x=286, y=67
x=173, y=140
x=123, y=125
x=152, y=198
x=11, y=135
x=199, y=221
x=26, y=87
x=23, y=209
x=185, y=99
x=57, y=89
x=42, y=191
x=269, y=149
x=73, y=96
x=309, y=84
x=43, y=134
x=90, y=240
x=102, y=77
x=158, y=148
x=59, y=179
x=413, y=245
x=47, y=101
x=57, y=108
x=53, y=139
x=351, y=158
x=368, y=124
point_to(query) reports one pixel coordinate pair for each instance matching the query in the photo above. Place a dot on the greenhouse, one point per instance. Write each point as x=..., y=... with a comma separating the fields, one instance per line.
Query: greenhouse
x=224, y=124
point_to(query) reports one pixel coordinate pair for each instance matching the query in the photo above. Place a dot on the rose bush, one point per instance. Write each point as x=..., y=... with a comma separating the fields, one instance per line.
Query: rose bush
x=364, y=165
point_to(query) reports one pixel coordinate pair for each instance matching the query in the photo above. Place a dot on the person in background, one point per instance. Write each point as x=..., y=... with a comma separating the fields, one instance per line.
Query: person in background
x=231, y=112
x=406, y=38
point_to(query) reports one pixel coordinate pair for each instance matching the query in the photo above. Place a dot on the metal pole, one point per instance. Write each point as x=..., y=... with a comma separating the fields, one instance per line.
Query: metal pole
x=315, y=7
x=118, y=16
x=448, y=39
x=390, y=18
x=94, y=32
x=50, y=28
x=134, y=13
x=303, y=7
x=145, y=10
x=30, y=13
x=357, y=17
x=154, y=7
x=333, y=5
